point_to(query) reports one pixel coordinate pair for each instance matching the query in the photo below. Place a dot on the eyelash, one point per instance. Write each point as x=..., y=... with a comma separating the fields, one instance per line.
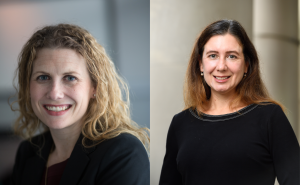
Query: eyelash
x=211, y=56
x=234, y=57
x=71, y=77
x=39, y=78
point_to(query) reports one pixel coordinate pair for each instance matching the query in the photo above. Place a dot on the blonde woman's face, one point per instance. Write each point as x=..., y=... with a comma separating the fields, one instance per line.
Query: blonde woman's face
x=223, y=64
x=60, y=88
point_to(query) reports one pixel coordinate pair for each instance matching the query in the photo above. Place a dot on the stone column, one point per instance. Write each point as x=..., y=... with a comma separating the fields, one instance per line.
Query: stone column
x=275, y=33
x=174, y=26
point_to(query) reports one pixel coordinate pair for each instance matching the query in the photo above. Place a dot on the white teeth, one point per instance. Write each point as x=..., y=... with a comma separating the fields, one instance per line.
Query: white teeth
x=57, y=109
x=222, y=78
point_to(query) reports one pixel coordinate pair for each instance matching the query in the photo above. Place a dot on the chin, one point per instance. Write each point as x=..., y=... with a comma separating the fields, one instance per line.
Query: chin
x=56, y=124
x=222, y=90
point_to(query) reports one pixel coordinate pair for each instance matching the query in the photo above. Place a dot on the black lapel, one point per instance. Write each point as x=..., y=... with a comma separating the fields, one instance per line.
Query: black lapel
x=35, y=166
x=76, y=164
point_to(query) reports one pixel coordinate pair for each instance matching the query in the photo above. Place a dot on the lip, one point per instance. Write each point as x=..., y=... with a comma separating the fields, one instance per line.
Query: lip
x=221, y=80
x=53, y=113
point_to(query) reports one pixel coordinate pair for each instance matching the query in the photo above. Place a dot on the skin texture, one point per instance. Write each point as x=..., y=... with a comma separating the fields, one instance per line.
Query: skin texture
x=223, y=57
x=60, y=77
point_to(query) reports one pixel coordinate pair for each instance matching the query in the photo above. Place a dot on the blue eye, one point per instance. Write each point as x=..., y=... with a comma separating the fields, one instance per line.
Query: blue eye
x=70, y=78
x=43, y=77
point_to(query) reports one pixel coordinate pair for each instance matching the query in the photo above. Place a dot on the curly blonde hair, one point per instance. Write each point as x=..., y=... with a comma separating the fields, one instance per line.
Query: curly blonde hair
x=108, y=113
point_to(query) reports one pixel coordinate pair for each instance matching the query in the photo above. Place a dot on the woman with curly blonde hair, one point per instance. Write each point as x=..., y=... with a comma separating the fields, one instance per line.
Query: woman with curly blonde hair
x=69, y=91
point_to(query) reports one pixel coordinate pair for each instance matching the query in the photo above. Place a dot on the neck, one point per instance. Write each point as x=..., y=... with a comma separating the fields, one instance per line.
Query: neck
x=222, y=104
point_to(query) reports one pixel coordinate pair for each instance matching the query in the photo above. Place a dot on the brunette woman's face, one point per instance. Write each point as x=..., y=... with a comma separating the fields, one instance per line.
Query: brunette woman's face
x=223, y=64
x=60, y=88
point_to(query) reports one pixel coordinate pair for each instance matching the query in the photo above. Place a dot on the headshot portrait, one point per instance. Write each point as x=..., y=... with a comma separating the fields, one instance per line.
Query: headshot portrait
x=217, y=101
x=80, y=100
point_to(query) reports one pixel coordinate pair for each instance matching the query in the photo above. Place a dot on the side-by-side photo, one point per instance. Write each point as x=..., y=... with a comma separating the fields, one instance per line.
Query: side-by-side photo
x=75, y=92
x=224, y=92
x=84, y=84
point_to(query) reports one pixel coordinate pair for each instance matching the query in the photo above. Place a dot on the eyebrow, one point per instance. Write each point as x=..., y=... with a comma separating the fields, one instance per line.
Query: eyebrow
x=233, y=52
x=66, y=73
x=43, y=72
x=71, y=72
x=212, y=51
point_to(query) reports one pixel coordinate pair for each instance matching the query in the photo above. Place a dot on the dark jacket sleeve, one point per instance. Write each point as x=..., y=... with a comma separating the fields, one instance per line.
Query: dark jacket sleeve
x=169, y=173
x=125, y=162
x=285, y=149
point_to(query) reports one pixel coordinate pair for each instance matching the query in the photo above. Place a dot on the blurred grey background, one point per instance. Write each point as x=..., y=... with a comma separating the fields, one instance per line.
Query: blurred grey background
x=121, y=26
x=273, y=27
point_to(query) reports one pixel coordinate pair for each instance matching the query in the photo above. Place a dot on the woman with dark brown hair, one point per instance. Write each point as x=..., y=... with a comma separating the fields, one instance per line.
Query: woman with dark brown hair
x=230, y=131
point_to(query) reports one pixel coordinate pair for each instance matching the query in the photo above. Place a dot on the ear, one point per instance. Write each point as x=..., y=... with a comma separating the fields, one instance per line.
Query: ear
x=201, y=66
x=246, y=66
x=94, y=92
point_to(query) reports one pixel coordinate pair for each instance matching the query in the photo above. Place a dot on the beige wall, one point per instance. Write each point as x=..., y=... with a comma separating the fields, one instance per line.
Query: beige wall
x=275, y=36
x=174, y=26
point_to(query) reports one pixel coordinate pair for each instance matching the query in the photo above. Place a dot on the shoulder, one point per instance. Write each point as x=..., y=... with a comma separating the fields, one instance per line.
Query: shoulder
x=125, y=142
x=182, y=115
x=268, y=107
x=32, y=145
x=269, y=110
x=120, y=158
x=125, y=139
x=180, y=119
x=27, y=150
x=122, y=145
x=274, y=117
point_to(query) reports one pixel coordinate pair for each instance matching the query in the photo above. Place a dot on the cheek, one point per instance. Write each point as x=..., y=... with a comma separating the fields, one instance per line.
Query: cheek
x=36, y=92
x=80, y=93
x=238, y=69
x=207, y=67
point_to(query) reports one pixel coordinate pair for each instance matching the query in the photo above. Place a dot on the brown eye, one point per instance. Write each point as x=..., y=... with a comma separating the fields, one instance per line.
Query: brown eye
x=232, y=56
x=212, y=56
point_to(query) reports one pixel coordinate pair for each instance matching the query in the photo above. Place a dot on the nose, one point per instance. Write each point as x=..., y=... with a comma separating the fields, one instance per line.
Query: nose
x=221, y=66
x=55, y=91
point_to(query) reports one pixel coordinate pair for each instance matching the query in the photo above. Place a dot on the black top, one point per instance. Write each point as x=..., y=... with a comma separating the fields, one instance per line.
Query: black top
x=122, y=160
x=248, y=147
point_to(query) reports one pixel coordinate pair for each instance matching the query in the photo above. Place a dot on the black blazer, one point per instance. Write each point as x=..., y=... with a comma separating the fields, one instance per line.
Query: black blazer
x=119, y=161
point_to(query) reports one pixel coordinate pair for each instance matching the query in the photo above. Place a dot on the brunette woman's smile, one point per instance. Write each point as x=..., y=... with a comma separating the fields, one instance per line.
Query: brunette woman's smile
x=223, y=64
x=222, y=79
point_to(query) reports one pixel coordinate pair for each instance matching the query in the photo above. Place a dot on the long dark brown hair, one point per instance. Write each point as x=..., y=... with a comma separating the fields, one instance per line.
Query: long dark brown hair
x=251, y=89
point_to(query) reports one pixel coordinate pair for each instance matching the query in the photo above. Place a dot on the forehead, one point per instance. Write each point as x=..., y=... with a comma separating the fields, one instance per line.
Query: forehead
x=225, y=43
x=59, y=60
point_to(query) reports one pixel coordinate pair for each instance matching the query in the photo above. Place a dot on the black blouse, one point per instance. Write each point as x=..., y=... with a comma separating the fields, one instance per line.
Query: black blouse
x=250, y=147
